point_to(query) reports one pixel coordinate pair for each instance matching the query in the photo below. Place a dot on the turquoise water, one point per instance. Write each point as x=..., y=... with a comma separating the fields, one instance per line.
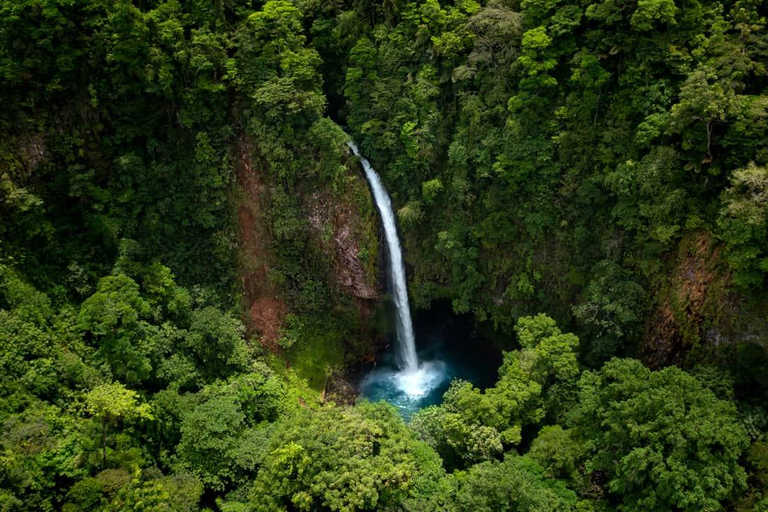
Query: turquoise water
x=448, y=348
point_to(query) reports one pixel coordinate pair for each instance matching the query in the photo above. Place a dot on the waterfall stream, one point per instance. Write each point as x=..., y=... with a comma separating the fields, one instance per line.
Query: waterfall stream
x=406, y=344
x=413, y=381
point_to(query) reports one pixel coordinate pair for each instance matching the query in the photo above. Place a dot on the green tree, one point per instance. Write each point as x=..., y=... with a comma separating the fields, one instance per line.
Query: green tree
x=515, y=485
x=613, y=308
x=224, y=436
x=177, y=493
x=361, y=458
x=113, y=318
x=663, y=441
x=277, y=71
x=42, y=451
x=560, y=453
x=743, y=225
x=217, y=342
x=111, y=404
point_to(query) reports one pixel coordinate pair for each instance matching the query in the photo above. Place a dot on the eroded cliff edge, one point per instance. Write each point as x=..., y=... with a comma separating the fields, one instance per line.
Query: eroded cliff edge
x=308, y=260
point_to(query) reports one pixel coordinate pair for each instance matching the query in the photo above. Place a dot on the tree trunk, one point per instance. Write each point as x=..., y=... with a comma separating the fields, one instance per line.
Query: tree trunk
x=104, y=444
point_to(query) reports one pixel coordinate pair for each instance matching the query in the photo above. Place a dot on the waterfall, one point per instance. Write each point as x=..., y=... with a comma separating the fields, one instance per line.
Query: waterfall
x=406, y=346
x=413, y=381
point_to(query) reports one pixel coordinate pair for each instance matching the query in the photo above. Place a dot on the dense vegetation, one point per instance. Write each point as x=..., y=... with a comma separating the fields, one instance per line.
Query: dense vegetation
x=178, y=210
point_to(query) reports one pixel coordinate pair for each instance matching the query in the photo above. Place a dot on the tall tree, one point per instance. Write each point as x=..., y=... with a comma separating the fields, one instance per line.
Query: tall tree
x=662, y=441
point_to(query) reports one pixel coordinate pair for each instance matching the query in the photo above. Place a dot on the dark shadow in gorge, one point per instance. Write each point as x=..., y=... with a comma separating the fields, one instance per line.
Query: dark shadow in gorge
x=453, y=346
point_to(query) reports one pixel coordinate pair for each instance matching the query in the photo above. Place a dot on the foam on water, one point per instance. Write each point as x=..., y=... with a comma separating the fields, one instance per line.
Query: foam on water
x=420, y=382
x=408, y=390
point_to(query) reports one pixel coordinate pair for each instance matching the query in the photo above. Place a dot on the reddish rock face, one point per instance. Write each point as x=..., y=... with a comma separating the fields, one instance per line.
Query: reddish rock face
x=266, y=316
x=683, y=315
x=348, y=273
x=265, y=310
x=336, y=228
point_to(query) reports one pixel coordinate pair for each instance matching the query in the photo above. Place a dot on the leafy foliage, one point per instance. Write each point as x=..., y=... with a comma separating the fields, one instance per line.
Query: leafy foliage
x=662, y=440
x=332, y=459
x=542, y=156
x=516, y=484
x=473, y=425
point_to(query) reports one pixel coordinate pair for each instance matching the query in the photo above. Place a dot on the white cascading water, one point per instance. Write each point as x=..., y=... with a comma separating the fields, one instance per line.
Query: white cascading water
x=413, y=380
x=405, y=340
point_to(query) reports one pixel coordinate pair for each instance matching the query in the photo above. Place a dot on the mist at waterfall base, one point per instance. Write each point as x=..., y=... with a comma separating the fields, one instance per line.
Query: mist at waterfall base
x=448, y=348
